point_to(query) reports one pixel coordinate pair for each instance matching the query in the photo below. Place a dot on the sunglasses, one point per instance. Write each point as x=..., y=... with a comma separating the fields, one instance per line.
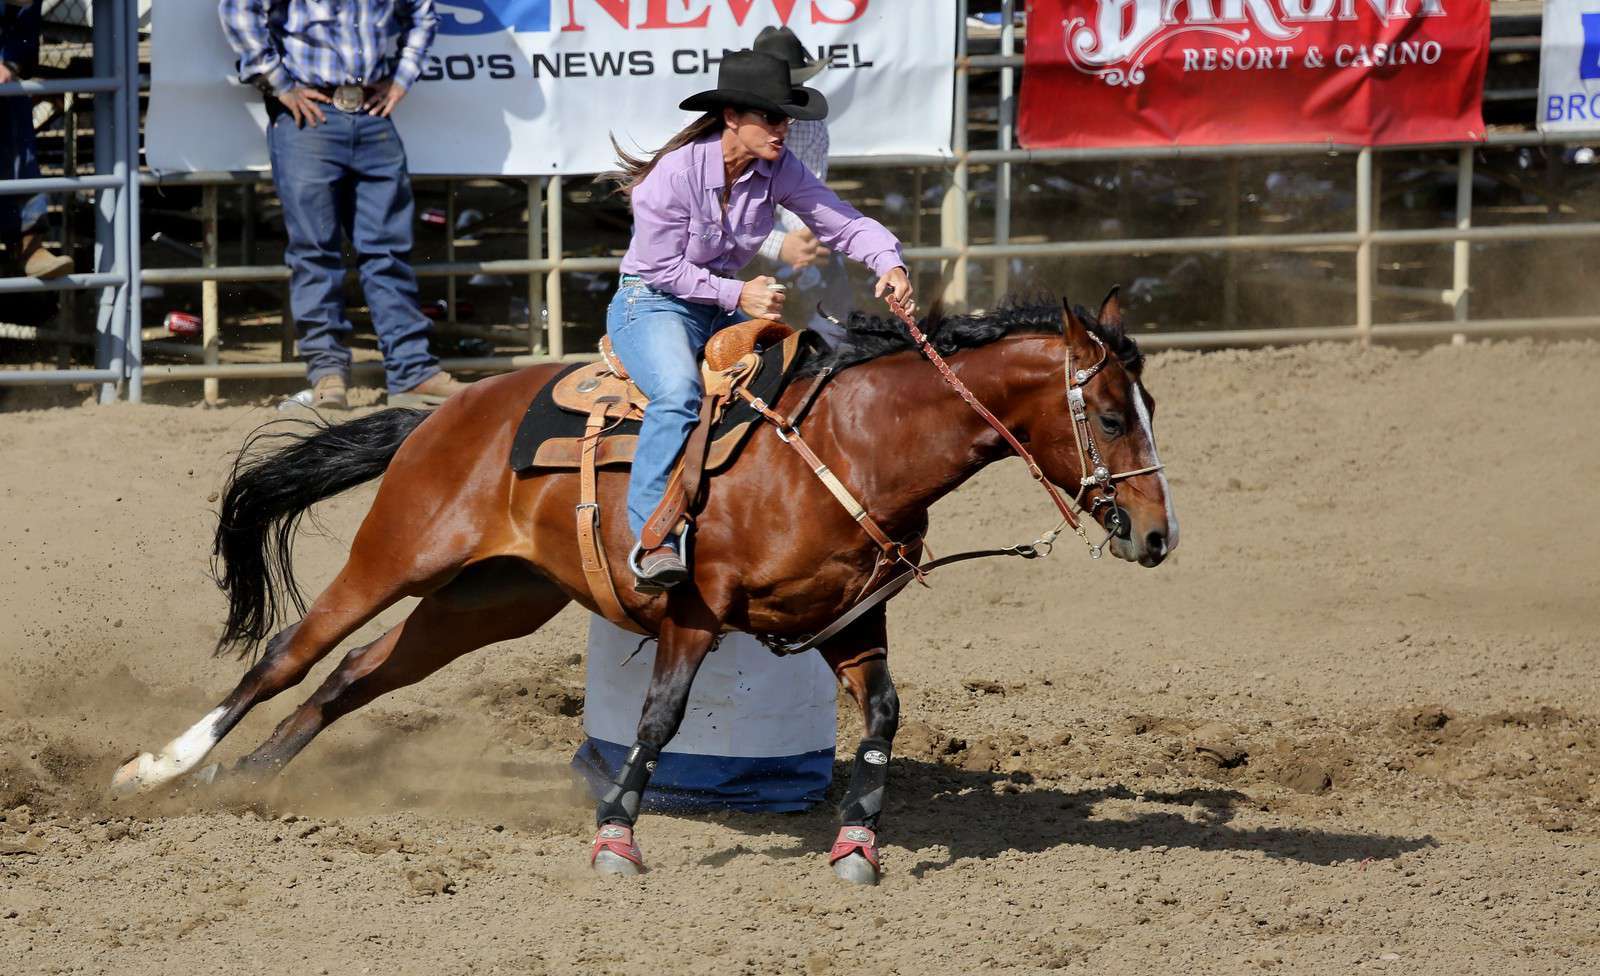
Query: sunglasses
x=773, y=119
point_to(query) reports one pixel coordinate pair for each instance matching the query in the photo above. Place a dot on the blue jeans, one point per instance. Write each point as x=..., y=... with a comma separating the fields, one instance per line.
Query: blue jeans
x=659, y=338
x=347, y=179
x=19, y=160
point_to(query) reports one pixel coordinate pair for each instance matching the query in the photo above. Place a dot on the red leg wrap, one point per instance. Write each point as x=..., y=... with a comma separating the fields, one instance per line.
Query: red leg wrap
x=853, y=839
x=618, y=840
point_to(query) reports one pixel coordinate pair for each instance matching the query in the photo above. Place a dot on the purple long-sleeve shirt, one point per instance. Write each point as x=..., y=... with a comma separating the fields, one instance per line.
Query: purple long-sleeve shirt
x=685, y=244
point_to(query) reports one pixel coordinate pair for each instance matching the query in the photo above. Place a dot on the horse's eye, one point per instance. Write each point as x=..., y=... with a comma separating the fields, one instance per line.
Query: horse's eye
x=1111, y=424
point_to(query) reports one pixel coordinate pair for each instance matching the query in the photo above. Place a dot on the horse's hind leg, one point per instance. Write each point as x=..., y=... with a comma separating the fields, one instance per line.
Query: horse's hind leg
x=443, y=627
x=859, y=657
x=354, y=597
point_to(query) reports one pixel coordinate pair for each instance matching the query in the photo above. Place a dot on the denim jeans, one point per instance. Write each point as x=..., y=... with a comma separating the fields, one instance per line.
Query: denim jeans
x=19, y=160
x=659, y=338
x=347, y=179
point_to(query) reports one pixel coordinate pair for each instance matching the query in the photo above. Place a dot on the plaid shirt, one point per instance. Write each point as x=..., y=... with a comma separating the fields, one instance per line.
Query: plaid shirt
x=323, y=43
x=809, y=143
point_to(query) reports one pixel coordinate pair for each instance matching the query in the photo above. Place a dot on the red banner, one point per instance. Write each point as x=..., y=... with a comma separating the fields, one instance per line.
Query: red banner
x=1211, y=72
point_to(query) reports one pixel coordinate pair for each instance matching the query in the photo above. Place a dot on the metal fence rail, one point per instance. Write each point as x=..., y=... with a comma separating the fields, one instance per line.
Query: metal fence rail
x=116, y=184
x=547, y=261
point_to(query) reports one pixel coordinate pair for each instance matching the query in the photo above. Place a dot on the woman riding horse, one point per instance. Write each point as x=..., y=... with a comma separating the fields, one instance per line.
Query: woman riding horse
x=492, y=554
x=702, y=205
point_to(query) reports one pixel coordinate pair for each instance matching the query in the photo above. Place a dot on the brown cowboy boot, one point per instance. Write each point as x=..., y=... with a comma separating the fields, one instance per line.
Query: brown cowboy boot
x=38, y=262
x=431, y=392
x=659, y=569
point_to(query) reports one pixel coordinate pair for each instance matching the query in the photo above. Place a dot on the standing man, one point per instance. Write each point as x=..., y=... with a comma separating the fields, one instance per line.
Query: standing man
x=340, y=170
x=22, y=227
x=815, y=275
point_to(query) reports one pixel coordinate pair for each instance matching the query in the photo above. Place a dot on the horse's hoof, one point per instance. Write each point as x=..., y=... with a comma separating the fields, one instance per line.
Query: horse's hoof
x=855, y=855
x=606, y=862
x=136, y=775
x=856, y=869
x=614, y=851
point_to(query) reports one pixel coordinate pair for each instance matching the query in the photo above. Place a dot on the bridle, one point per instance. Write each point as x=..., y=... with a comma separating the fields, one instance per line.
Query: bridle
x=1096, y=477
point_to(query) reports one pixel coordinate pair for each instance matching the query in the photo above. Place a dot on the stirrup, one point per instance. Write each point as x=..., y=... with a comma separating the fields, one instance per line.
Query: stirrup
x=645, y=584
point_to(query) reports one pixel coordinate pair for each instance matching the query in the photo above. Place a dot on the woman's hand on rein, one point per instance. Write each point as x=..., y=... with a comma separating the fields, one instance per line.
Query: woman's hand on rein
x=759, y=299
x=897, y=284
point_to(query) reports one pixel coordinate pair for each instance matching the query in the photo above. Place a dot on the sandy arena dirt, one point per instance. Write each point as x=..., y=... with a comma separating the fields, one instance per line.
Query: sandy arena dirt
x=1353, y=724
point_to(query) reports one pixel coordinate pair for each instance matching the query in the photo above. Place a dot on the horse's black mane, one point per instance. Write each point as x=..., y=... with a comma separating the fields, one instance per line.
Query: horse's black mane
x=870, y=336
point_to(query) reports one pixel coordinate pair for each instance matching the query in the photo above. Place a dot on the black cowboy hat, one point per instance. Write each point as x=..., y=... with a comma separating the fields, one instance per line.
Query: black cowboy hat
x=781, y=42
x=750, y=79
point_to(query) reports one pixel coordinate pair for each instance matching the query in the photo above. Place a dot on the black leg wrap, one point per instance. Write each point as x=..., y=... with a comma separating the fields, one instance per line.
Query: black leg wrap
x=868, y=777
x=621, y=803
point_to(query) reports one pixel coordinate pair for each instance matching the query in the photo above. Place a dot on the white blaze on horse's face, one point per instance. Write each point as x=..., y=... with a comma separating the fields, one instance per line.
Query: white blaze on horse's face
x=1147, y=430
x=1150, y=522
x=1143, y=496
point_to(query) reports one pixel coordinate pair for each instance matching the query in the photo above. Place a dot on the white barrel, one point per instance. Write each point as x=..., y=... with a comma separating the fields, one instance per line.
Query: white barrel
x=758, y=734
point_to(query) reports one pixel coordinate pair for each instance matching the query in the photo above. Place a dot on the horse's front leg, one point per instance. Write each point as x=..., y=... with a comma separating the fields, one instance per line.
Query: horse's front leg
x=859, y=657
x=680, y=649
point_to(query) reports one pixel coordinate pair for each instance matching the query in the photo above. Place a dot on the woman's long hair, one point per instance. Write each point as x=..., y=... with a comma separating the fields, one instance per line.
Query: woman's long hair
x=633, y=169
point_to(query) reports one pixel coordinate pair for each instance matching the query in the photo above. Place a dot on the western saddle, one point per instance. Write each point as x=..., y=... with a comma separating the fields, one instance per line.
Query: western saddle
x=604, y=393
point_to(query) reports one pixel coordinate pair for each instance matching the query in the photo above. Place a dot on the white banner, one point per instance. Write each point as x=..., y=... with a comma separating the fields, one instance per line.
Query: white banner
x=1569, y=67
x=533, y=87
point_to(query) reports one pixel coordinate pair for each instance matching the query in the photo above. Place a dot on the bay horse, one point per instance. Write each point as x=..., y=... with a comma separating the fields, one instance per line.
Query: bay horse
x=493, y=555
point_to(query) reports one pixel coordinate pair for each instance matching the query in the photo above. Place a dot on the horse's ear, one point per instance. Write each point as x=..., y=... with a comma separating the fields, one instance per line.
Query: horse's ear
x=1111, y=309
x=1069, y=318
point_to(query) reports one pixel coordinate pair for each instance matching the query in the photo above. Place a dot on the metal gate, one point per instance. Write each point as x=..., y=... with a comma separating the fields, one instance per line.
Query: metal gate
x=548, y=260
x=115, y=182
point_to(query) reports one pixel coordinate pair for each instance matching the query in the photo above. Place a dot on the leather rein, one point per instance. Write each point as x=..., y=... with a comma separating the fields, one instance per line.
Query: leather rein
x=1098, y=479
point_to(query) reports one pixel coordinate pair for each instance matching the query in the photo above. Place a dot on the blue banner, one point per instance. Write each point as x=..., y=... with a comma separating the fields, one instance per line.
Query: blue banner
x=468, y=17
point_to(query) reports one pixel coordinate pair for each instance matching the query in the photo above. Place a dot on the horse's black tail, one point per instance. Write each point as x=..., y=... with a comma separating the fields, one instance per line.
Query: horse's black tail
x=276, y=477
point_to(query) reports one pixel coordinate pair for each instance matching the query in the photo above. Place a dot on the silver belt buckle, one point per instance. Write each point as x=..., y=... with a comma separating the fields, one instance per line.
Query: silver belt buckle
x=348, y=98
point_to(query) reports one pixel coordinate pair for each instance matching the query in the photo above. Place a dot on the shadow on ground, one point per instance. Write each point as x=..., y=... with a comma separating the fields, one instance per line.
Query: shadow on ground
x=983, y=815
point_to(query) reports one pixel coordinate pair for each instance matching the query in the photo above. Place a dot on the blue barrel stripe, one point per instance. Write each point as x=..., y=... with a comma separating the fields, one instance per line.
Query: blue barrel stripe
x=686, y=783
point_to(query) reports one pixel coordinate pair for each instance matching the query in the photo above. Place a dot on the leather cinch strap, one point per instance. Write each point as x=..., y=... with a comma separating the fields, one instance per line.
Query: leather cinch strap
x=682, y=495
x=591, y=549
x=684, y=485
x=694, y=453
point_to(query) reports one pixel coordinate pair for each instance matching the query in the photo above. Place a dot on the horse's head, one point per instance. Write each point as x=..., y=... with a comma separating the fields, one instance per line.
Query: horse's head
x=1095, y=437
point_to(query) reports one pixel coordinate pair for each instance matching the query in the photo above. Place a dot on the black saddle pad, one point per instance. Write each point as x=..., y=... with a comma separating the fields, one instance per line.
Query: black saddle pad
x=544, y=419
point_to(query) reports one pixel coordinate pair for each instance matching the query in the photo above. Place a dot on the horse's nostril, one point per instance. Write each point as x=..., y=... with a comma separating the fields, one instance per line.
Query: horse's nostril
x=1120, y=523
x=1155, y=543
